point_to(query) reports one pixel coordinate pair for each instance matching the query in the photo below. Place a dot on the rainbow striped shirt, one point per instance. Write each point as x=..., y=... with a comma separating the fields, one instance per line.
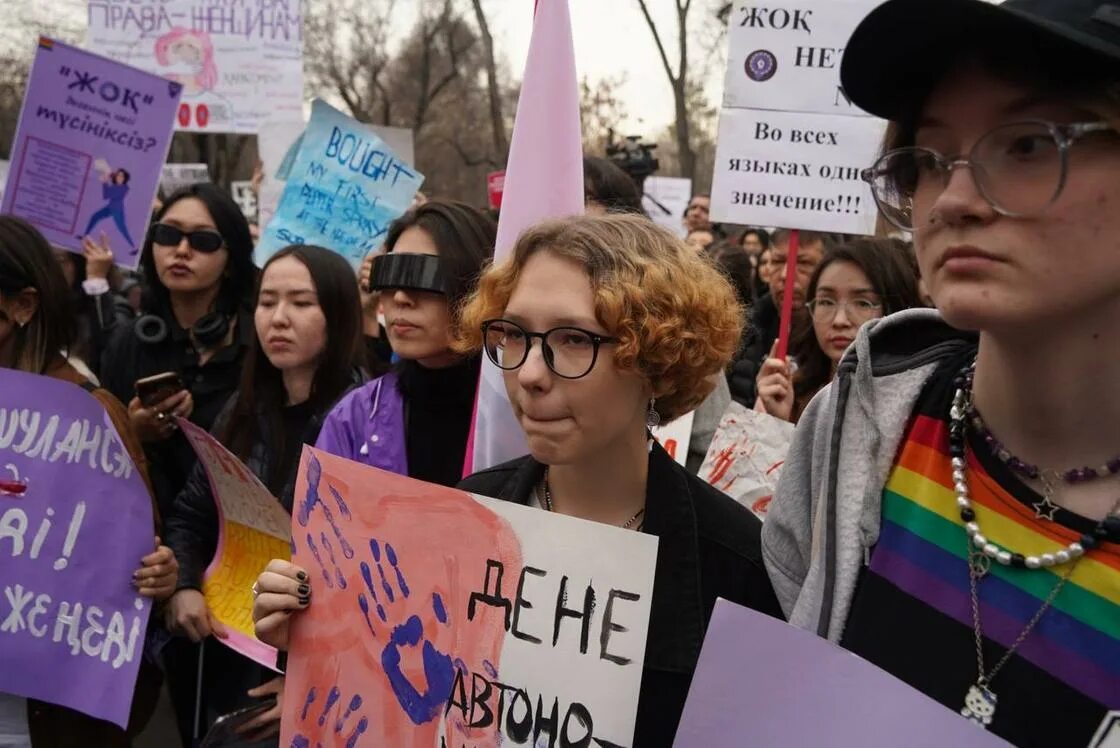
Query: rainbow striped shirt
x=912, y=611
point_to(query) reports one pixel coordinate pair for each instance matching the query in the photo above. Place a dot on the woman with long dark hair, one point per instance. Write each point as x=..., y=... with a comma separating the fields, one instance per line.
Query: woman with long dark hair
x=950, y=507
x=306, y=355
x=415, y=420
x=196, y=323
x=36, y=333
x=856, y=282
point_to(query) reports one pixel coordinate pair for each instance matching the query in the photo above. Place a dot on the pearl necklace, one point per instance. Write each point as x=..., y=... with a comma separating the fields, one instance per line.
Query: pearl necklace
x=1073, y=551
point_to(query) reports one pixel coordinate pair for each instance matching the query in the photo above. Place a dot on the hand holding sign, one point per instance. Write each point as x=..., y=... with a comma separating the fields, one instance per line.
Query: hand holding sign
x=72, y=533
x=158, y=573
x=775, y=386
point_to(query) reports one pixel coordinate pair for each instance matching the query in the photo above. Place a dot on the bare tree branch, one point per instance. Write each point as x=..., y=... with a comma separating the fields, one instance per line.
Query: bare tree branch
x=657, y=40
x=497, y=120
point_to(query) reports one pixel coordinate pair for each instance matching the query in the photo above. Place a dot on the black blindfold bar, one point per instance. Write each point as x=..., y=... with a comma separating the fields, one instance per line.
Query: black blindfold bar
x=410, y=271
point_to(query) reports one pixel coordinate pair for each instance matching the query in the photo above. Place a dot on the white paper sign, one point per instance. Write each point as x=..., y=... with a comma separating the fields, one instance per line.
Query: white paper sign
x=665, y=200
x=790, y=145
x=746, y=456
x=177, y=176
x=246, y=199
x=675, y=436
x=786, y=55
x=795, y=170
x=273, y=143
x=239, y=62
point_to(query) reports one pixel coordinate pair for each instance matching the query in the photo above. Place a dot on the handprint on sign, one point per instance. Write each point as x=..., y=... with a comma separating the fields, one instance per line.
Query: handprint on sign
x=394, y=567
x=341, y=723
x=438, y=669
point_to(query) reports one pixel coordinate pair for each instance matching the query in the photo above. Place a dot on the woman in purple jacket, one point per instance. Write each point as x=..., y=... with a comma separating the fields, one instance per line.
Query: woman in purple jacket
x=415, y=420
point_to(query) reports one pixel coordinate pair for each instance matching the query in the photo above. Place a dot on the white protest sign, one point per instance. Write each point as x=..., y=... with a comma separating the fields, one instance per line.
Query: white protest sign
x=675, y=436
x=528, y=622
x=795, y=170
x=239, y=61
x=176, y=176
x=275, y=139
x=665, y=200
x=246, y=199
x=786, y=56
x=746, y=456
x=791, y=146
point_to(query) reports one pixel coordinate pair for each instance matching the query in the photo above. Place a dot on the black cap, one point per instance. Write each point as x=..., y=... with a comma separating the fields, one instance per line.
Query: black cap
x=903, y=47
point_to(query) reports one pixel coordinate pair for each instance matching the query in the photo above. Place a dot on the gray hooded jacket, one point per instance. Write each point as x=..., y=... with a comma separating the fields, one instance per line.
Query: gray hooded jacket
x=826, y=513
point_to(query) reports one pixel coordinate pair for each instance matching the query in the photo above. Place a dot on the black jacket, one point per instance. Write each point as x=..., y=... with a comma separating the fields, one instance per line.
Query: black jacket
x=708, y=547
x=127, y=359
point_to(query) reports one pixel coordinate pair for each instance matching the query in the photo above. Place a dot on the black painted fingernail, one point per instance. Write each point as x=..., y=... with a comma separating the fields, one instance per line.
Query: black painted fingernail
x=305, y=601
x=301, y=576
x=304, y=590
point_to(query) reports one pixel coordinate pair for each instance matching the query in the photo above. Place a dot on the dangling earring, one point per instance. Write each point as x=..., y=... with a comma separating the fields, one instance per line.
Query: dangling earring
x=653, y=420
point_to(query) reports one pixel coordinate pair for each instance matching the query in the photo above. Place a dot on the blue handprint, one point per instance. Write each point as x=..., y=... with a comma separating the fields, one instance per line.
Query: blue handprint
x=302, y=741
x=439, y=672
x=312, y=499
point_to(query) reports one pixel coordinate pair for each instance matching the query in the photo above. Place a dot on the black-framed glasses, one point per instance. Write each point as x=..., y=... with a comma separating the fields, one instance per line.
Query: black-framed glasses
x=856, y=310
x=570, y=352
x=205, y=240
x=1020, y=168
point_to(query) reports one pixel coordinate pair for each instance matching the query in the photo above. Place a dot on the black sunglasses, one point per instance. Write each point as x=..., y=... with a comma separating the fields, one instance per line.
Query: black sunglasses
x=201, y=241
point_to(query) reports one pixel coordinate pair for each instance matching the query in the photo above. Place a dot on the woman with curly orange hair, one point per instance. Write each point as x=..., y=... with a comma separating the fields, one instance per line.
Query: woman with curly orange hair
x=605, y=326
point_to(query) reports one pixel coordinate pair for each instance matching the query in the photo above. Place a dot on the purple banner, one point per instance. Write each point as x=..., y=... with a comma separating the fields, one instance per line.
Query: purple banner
x=92, y=138
x=760, y=681
x=75, y=520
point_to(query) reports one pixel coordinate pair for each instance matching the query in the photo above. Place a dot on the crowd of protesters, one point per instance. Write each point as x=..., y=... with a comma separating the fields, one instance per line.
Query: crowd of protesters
x=950, y=506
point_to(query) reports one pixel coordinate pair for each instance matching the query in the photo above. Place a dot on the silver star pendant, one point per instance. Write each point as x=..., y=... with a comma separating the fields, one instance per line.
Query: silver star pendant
x=1045, y=508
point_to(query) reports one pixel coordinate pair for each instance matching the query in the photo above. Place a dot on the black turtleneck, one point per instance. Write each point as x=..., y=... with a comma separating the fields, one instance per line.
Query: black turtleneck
x=439, y=404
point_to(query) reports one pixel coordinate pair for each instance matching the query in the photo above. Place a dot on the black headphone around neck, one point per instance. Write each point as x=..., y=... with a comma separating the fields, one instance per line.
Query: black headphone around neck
x=208, y=332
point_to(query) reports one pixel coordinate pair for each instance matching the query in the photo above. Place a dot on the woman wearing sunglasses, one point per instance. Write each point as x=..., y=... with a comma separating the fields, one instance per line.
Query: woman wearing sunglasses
x=415, y=419
x=949, y=509
x=196, y=323
x=855, y=283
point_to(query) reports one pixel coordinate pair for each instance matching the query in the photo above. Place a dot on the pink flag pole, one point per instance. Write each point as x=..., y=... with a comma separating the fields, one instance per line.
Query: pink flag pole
x=544, y=179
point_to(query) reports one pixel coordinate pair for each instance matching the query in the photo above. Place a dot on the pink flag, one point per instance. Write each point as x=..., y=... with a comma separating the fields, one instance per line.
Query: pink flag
x=544, y=179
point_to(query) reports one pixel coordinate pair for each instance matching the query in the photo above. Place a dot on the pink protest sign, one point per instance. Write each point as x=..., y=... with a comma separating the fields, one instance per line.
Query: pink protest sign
x=253, y=529
x=439, y=618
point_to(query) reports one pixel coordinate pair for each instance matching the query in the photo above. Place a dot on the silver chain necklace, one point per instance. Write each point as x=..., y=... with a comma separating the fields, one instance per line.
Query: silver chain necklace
x=547, y=493
x=980, y=701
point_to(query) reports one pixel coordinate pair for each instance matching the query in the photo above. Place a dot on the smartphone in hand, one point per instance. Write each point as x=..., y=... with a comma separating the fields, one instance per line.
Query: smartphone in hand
x=155, y=389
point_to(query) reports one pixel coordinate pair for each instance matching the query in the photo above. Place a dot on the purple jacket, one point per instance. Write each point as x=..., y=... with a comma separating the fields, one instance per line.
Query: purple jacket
x=367, y=426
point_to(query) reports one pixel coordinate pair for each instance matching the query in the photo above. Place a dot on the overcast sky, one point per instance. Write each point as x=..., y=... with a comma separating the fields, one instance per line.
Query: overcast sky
x=611, y=38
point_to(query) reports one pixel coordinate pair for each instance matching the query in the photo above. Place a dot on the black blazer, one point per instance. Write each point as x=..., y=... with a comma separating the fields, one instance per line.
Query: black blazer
x=708, y=547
